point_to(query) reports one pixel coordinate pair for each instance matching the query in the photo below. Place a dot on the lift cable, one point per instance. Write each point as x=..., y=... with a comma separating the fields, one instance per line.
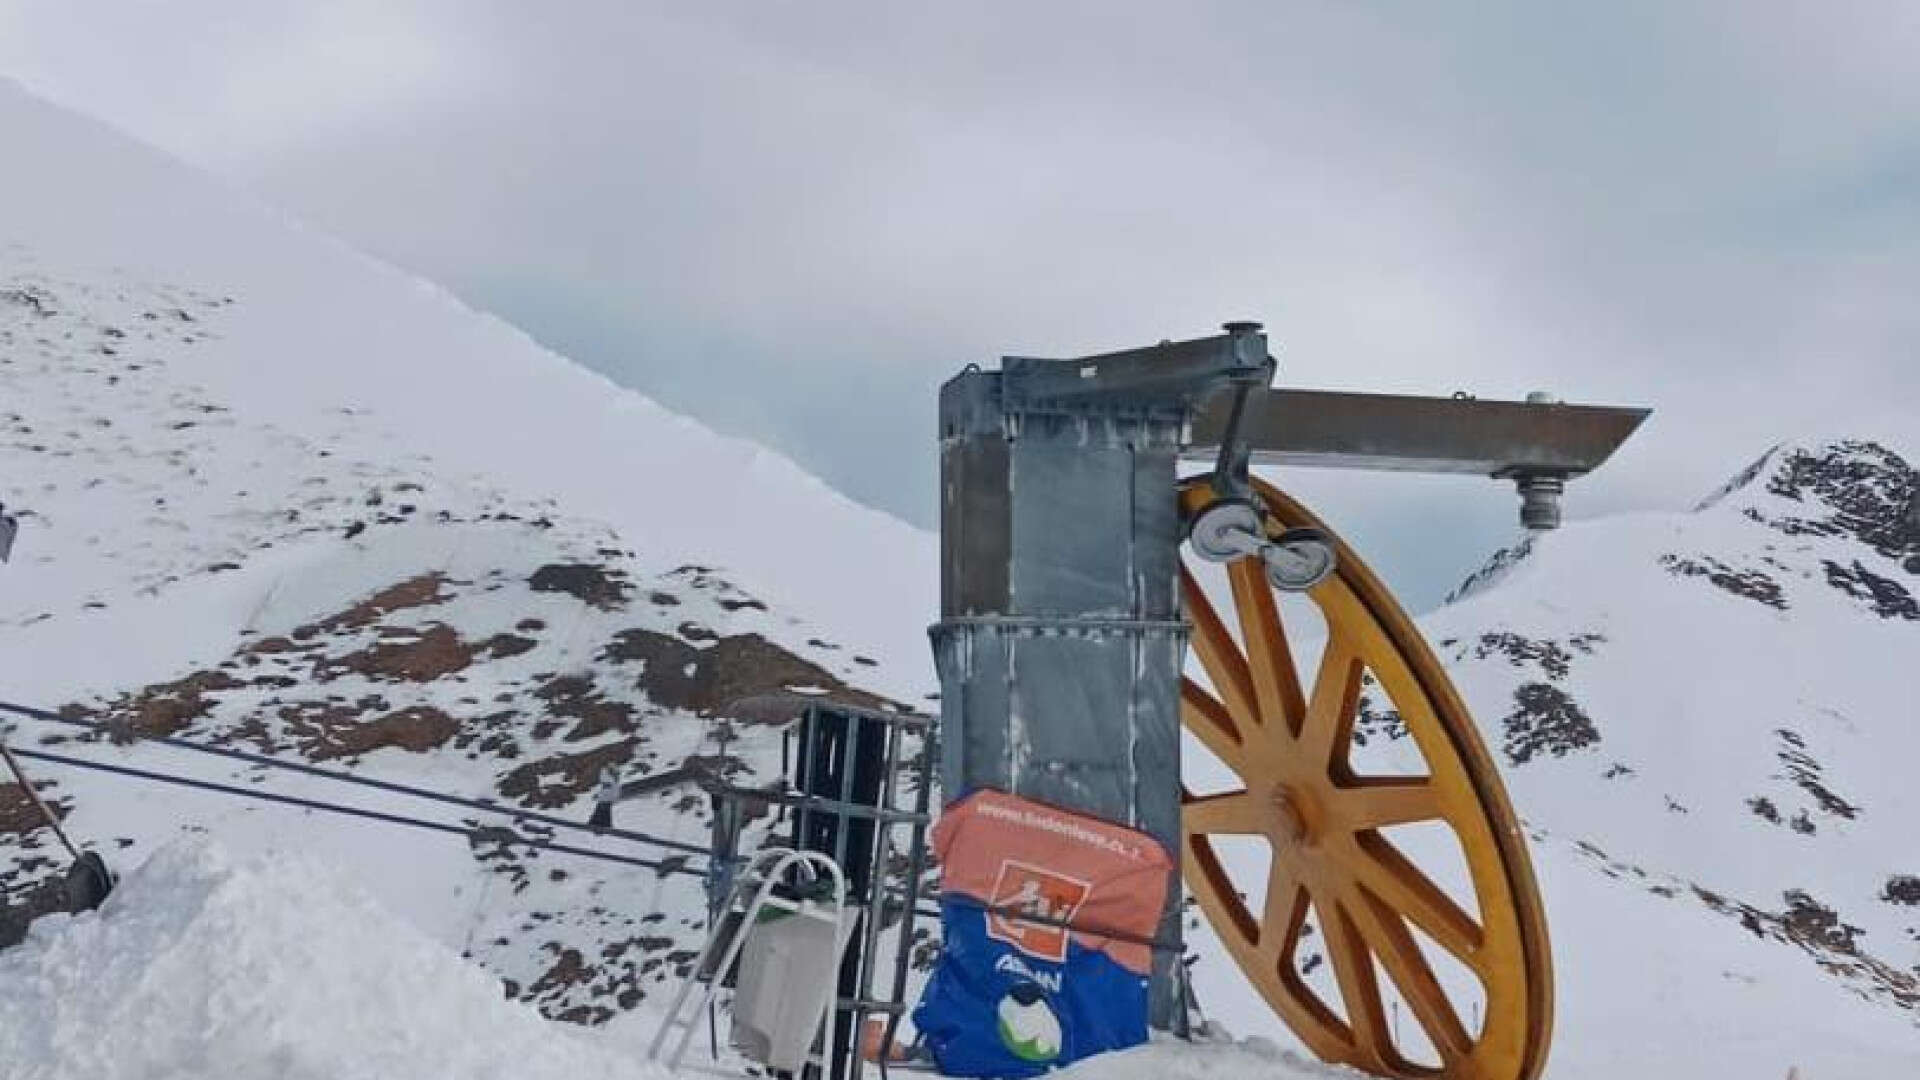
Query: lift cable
x=664, y=866
x=668, y=865
x=484, y=806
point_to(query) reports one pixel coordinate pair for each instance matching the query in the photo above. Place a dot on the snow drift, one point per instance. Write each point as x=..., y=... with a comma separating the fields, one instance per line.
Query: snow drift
x=206, y=964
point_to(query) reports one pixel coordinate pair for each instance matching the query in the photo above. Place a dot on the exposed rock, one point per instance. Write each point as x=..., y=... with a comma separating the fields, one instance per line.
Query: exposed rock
x=592, y=584
x=1849, y=488
x=1375, y=719
x=553, y=782
x=1807, y=919
x=1546, y=720
x=1751, y=584
x=327, y=731
x=576, y=698
x=428, y=654
x=415, y=592
x=506, y=646
x=1885, y=597
x=1553, y=658
x=1496, y=568
x=1902, y=889
x=19, y=815
x=1819, y=931
x=1805, y=772
x=165, y=708
x=705, y=680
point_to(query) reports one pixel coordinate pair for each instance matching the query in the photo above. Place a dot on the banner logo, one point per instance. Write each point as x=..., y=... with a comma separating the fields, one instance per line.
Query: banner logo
x=1024, y=889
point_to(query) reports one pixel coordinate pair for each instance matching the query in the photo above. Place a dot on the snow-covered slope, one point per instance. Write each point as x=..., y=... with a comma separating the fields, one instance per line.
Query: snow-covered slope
x=257, y=380
x=277, y=496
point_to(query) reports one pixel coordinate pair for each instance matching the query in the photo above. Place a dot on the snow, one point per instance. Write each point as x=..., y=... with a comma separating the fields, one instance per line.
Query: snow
x=267, y=967
x=1207, y=1059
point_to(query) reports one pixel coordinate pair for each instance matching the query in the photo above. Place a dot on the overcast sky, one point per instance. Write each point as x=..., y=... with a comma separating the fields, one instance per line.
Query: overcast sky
x=793, y=220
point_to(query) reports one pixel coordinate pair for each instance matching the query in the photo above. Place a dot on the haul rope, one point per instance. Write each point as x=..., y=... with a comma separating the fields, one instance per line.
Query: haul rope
x=390, y=786
x=665, y=866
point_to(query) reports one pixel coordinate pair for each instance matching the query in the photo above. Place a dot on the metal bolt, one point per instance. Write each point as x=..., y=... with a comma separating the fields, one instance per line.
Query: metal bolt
x=1540, y=500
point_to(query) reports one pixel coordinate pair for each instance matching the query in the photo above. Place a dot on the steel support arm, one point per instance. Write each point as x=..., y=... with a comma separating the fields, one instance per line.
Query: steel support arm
x=1331, y=429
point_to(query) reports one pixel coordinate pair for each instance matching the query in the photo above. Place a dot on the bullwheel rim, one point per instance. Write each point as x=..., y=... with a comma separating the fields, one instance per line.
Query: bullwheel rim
x=1382, y=919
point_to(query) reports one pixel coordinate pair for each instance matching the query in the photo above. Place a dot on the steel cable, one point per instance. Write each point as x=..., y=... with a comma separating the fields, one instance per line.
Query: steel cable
x=661, y=866
x=267, y=761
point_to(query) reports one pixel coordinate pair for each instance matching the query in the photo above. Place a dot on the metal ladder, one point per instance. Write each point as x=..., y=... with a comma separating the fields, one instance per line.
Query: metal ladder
x=752, y=893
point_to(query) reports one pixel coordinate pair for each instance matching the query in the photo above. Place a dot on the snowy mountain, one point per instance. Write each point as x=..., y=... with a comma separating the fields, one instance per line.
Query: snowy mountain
x=282, y=497
x=279, y=497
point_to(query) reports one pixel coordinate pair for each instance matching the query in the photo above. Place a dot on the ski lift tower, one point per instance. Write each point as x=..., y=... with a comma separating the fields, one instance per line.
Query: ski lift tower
x=1066, y=620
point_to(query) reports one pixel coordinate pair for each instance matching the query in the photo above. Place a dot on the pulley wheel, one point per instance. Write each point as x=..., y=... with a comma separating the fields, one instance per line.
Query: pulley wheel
x=1380, y=915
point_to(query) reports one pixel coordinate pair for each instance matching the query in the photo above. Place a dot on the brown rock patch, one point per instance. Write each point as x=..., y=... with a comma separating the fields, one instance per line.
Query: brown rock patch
x=415, y=592
x=422, y=656
x=327, y=731
x=592, y=584
x=18, y=814
x=680, y=676
x=163, y=709
x=553, y=782
x=577, y=698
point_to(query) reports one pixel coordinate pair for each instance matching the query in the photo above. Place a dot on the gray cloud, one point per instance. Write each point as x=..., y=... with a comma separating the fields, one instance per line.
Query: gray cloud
x=794, y=220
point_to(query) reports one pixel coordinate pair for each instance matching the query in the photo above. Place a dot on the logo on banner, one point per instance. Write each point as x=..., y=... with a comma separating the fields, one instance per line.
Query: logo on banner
x=1024, y=889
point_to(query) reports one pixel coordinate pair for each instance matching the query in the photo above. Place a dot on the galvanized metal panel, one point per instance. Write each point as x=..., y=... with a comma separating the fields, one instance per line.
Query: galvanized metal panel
x=1154, y=541
x=974, y=746
x=1071, y=724
x=1155, y=723
x=1071, y=523
x=976, y=526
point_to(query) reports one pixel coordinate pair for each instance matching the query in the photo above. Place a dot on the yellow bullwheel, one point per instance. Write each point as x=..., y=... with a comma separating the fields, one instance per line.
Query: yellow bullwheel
x=1472, y=971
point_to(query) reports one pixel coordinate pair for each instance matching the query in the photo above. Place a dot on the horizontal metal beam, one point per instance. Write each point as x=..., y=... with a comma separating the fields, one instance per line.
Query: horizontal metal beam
x=1331, y=429
x=1168, y=375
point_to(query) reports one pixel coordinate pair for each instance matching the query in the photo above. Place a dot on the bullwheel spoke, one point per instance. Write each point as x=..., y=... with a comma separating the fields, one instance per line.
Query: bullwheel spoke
x=1276, y=683
x=1381, y=802
x=1336, y=697
x=1231, y=813
x=1399, y=953
x=1359, y=990
x=1285, y=915
x=1210, y=722
x=1388, y=875
x=1220, y=656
